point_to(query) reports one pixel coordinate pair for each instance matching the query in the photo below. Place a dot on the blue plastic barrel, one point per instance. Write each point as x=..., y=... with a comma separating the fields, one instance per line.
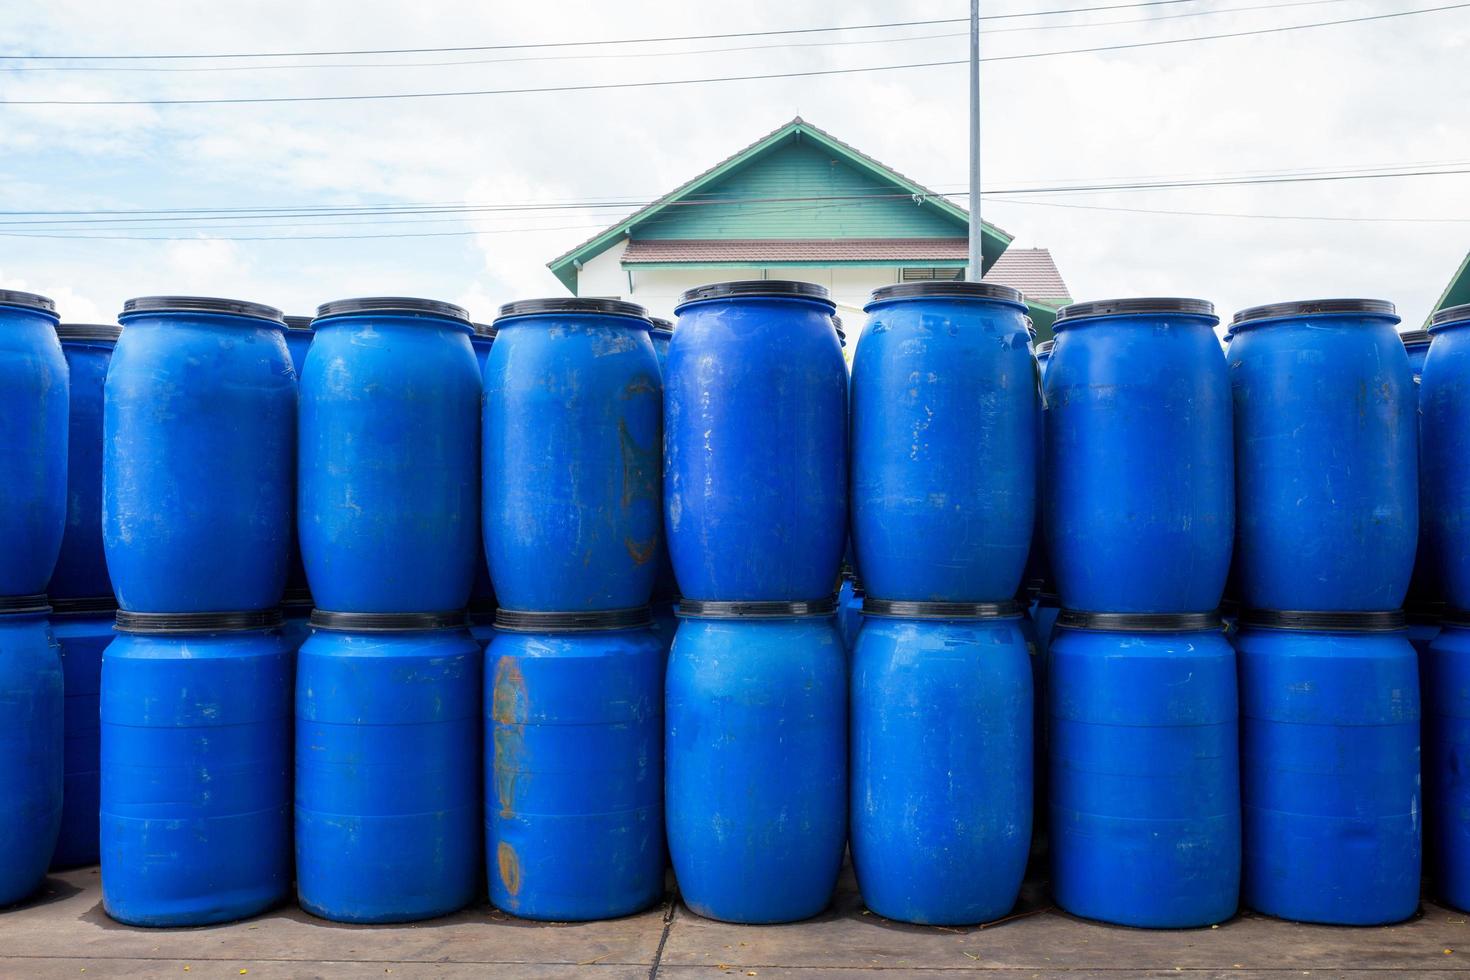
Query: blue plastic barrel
x=482, y=591
x=941, y=825
x=81, y=567
x=83, y=629
x=1038, y=571
x=199, y=457
x=1140, y=492
x=388, y=737
x=665, y=621
x=665, y=585
x=299, y=334
x=944, y=415
x=1445, y=674
x=1145, y=769
x=755, y=443
x=389, y=469
x=31, y=765
x=571, y=456
x=33, y=442
x=755, y=752
x=1445, y=426
x=195, y=808
x=574, y=816
x=1326, y=445
x=1329, y=714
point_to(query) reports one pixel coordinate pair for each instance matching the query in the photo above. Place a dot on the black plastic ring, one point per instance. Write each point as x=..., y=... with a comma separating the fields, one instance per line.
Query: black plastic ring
x=16, y=604
x=199, y=622
x=1137, y=306
x=1377, y=621
x=106, y=332
x=203, y=304
x=904, y=609
x=77, y=607
x=1418, y=338
x=947, y=289
x=27, y=301
x=527, y=621
x=661, y=326
x=359, y=622
x=756, y=609
x=300, y=323
x=573, y=305
x=394, y=306
x=1139, y=622
x=1315, y=307
x=753, y=288
x=1044, y=348
x=1450, y=315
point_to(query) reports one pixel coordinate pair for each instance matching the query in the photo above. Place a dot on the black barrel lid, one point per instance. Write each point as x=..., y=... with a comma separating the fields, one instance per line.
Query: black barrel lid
x=1139, y=622
x=752, y=288
x=394, y=306
x=526, y=621
x=901, y=609
x=570, y=305
x=485, y=331
x=1315, y=307
x=200, y=622
x=756, y=609
x=1043, y=349
x=947, y=289
x=1137, y=306
x=661, y=326
x=68, y=607
x=106, y=332
x=202, y=304
x=357, y=622
x=1449, y=315
x=299, y=323
x=1417, y=338
x=13, y=605
x=27, y=301
x=1378, y=621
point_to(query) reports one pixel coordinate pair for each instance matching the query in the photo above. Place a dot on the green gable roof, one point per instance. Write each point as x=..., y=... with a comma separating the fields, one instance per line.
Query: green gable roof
x=766, y=191
x=1457, y=292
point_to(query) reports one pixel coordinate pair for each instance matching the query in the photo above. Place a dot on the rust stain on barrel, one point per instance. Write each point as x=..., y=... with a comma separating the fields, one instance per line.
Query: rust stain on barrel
x=507, y=705
x=510, y=868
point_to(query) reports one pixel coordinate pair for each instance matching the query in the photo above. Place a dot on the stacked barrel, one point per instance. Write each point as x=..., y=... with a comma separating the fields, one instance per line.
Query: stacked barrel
x=482, y=593
x=573, y=726
x=199, y=430
x=1143, y=758
x=944, y=415
x=82, y=603
x=1445, y=664
x=33, y=516
x=755, y=505
x=1326, y=477
x=665, y=586
x=296, y=605
x=388, y=684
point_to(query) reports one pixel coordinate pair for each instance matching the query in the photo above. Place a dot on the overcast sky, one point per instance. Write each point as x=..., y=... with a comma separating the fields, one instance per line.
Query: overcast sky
x=1358, y=96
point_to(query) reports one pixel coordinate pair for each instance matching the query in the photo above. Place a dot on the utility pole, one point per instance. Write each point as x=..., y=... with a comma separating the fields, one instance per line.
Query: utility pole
x=975, y=257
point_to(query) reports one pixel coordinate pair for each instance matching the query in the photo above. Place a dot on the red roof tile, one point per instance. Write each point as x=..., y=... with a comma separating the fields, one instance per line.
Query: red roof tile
x=1032, y=271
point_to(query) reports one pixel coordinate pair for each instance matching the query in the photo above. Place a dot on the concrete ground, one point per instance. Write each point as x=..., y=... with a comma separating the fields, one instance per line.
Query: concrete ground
x=63, y=932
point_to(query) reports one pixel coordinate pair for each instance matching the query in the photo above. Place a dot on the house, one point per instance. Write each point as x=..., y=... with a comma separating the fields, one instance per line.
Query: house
x=1456, y=293
x=800, y=204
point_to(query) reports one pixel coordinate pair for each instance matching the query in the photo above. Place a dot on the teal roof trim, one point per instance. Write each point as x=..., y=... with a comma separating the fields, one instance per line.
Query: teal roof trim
x=1456, y=293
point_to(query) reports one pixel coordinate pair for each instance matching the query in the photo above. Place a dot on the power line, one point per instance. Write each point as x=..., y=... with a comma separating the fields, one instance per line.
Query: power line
x=595, y=56
x=577, y=44
x=600, y=86
x=1236, y=214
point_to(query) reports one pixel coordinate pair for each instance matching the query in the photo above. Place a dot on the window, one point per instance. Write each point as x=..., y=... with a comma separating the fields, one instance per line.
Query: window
x=929, y=275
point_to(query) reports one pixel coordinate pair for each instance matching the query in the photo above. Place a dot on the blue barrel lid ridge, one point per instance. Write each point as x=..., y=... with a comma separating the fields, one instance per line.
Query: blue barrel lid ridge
x=1137, y=306
x=757, y=289
x=105, y=332
x=756, y=608
x=140, y=305
x=27, y=301
x=1450, y=316
x=941, y=611
x=572, y=306
x=947, y=289
x=394, y=306
x=1313, y=307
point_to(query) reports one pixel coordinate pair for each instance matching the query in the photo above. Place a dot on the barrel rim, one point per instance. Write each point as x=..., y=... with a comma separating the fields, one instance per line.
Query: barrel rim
x=756, y=608
x=1293, y=309
x=1450, y=316
x=1425, y=612
x=572, y=621
x=1137, y=306
x=1045, y=348
x=1419, y=338
x=947, y=289
x=394, y=306
x=1113, y=622
x=139, y=305
x=1454, y=617
x=20, y=299
x=1326, y=621
x=80, y=607
x=574, y=306
x=485, y=331
x=662, y=326
x=20, y=605
x=907, y=609
x=105, y=332
x=394, y=622
x=302, y=323
x=243, y=621
x=757, y=289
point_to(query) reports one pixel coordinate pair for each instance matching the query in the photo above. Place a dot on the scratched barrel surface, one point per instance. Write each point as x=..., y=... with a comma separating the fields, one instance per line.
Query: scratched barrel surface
x=195, y=803
x=1140, y=492
x=755, y=446
x=1445, y=426
x=388, y=736
x=1445, y=674
x=944, y=415
x=389, y=469
x=299, y=334
x=31, y=764
x=1330, y=728
x=199, y=456
x=81, y=567
x=1326, y=456
x=756, y=755
x=1145, y=826
x=571, y=456
x=941, y=760
x=33, y=442
x=83, y=629
x=574, y=819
